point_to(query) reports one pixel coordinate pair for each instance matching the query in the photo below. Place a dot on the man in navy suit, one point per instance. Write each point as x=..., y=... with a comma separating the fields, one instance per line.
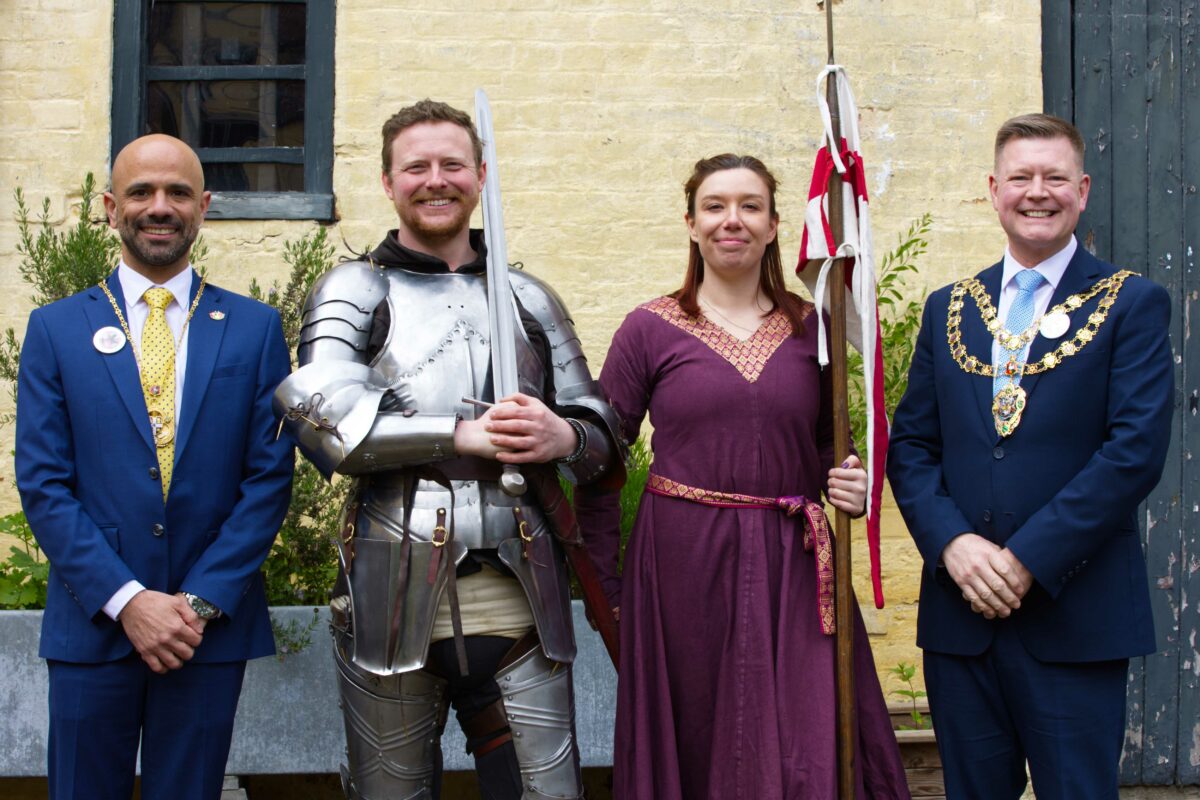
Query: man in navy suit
x=1036, y=419
x=155, y=497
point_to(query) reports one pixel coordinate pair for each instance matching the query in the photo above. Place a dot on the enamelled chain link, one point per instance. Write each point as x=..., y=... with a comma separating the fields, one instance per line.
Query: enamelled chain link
x=972, y=365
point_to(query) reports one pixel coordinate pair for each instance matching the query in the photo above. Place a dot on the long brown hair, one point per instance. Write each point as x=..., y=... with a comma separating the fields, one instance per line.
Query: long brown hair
x=770, y=270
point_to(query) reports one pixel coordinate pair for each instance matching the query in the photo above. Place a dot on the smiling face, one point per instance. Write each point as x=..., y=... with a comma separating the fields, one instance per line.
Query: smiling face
x=433, y=183
x=732, y=224
x=156, y=204
x=1038, y=190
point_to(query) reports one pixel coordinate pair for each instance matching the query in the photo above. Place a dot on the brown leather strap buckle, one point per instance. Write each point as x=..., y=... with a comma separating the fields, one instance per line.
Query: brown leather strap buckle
x=435, y=562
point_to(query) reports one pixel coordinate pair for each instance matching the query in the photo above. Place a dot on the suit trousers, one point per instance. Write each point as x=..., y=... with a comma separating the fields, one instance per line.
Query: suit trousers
x=183, y=720
x=994, y=711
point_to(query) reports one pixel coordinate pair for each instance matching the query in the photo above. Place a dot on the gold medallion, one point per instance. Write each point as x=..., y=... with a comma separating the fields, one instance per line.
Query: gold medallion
x=164, y=431
x=1007, y=406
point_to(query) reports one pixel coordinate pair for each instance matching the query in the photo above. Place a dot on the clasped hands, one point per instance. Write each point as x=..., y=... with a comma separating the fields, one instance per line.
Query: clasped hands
x=991, y=578
x=518, y=430
x=163, y=629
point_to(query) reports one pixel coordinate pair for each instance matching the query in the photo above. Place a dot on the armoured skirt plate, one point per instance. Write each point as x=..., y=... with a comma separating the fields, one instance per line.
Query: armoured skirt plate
x=393, y=601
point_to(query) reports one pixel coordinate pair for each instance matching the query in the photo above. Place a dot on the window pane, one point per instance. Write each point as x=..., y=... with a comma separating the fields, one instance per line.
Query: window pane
x=208, y=34
x=266, y=177
x=228, y=113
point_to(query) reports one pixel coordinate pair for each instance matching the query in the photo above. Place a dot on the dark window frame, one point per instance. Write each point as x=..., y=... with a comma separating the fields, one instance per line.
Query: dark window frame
x=131, y=73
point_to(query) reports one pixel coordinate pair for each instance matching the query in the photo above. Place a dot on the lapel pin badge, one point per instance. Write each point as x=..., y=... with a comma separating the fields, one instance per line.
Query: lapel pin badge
x=108, y=340
x=216, y=315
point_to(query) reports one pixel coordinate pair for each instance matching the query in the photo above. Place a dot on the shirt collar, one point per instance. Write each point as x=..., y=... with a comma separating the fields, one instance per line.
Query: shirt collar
x=134, y=285
x=1052, y=268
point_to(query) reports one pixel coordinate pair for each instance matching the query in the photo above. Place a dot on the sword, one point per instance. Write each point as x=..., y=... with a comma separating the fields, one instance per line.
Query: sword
x=501, y=315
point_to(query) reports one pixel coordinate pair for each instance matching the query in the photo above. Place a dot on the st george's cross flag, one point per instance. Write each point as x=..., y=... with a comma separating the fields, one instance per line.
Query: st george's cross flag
x=862, y=309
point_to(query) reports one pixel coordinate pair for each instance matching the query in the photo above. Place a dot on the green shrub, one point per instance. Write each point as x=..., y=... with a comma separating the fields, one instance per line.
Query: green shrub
x=24, y=573
x=899, y=323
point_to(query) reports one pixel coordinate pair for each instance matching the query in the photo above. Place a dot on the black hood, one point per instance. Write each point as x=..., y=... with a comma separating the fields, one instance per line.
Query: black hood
x=390, y=253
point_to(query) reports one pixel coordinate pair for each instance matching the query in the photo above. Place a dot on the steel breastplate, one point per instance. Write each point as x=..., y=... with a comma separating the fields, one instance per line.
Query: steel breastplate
x=438, y=342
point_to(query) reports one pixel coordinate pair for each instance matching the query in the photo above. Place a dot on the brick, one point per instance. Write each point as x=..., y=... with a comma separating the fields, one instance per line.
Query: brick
x=601, y=108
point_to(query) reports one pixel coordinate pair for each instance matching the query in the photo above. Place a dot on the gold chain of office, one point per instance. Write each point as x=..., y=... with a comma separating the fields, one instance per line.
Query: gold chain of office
x=137, y=357
x=972, y=365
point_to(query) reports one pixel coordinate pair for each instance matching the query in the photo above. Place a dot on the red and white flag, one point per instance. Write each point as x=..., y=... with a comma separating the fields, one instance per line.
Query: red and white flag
x=862, y=309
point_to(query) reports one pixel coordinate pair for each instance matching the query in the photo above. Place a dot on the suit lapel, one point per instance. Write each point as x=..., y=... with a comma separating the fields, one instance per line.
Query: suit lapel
x=1081, y=273
x=205, y=332
x=122, y=365
x=979, y=339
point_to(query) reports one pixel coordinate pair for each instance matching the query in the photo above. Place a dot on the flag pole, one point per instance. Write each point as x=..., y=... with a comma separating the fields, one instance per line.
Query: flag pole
x=843, y=591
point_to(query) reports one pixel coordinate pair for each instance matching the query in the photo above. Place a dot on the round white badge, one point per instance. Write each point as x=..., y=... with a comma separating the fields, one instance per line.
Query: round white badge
x=1055, y=325
x=108, y=340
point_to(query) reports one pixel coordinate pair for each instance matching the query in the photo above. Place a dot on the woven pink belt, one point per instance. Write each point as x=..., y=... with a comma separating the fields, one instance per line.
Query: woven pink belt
x=816, y=528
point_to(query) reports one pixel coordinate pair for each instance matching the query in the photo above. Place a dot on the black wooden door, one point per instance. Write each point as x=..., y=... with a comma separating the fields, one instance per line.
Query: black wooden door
x=1125, y=72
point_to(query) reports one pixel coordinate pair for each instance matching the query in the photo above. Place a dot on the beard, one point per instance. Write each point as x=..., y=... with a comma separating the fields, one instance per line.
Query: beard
x=157, y=254
x=440, y=230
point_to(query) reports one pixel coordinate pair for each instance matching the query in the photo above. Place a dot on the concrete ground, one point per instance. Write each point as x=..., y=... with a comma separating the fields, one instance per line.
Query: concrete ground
x=458, y=786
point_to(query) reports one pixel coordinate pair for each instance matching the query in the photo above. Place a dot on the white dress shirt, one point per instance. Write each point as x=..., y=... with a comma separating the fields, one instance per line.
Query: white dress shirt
x=134, y=286
x=1052, y=270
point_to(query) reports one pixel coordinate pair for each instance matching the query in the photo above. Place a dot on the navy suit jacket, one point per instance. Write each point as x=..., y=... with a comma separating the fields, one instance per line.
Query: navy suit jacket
x=87, y=473
x=1061, y=492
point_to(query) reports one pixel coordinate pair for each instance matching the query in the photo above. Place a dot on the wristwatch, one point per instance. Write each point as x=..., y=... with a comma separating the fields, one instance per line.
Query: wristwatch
x=203, y=608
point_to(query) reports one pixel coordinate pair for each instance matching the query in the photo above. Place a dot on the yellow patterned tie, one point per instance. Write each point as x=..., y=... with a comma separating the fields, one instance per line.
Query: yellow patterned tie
x=158, y=380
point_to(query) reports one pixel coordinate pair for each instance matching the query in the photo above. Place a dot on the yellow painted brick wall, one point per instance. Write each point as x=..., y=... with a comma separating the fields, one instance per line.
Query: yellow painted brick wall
x=601, y=107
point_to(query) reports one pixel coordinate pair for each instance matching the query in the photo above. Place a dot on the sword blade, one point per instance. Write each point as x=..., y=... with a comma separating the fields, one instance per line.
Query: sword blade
x=501, y=311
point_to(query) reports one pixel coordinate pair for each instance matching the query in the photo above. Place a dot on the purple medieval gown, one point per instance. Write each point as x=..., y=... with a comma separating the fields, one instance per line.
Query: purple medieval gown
x=726, y=685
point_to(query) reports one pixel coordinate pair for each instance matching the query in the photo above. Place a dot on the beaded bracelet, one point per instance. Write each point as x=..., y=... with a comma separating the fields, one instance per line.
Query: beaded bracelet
x=581, y=441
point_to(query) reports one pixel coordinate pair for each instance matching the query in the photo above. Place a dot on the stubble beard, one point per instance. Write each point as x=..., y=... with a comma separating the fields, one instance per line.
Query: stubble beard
x=157, y=255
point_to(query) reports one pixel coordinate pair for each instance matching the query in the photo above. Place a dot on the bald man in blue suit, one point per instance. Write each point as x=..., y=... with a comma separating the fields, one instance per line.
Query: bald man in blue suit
x=1020, y=453
x=155, y=517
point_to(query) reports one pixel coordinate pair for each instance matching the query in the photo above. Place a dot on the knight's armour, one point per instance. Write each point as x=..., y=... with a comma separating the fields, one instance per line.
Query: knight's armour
x=389, y=347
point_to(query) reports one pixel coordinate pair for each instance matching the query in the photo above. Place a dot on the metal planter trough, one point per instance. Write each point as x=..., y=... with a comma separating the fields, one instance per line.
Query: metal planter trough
x=288, y=719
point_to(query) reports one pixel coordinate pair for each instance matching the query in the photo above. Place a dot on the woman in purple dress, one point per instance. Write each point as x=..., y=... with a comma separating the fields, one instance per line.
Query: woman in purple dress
x=726, y=683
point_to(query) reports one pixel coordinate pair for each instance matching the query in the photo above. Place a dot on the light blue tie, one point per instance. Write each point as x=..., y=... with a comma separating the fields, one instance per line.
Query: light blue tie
x=1020, y=316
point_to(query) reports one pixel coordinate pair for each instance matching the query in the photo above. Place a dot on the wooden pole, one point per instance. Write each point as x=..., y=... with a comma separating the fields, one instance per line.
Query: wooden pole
x=847, y=728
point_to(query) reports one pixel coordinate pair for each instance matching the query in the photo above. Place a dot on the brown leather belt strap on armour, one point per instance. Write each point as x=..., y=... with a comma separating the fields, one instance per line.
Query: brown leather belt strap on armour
x=490, y=723
x=471, y=468
x=460, y=645
x=448, y=563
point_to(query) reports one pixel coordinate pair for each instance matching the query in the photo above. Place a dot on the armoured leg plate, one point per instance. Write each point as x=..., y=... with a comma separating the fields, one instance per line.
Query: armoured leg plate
x=540, y=707
x=393, y=732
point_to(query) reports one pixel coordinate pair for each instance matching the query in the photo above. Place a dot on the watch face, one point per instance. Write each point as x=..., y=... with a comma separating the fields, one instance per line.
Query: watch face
x=202, y=607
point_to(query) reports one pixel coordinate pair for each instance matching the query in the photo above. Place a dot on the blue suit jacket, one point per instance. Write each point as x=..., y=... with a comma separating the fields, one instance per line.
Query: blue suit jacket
x=86, y=472
x=1061, y=492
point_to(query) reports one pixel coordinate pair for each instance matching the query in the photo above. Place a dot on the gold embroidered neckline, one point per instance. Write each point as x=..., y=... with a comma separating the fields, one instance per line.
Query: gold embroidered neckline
x=748, y=356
